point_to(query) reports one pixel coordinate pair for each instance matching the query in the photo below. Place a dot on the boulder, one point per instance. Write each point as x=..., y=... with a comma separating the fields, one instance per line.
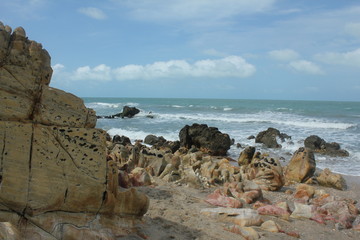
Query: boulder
x=207, y=139
x=319, y=145
x=54, y=170
x=269, y=138
x=246, y=156
x=301, y=167
x=152, y=139
x=123, y=140
x=129, y=112
x=330, y=179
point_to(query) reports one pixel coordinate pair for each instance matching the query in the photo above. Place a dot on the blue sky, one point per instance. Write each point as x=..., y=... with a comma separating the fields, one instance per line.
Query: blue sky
x=245, y=49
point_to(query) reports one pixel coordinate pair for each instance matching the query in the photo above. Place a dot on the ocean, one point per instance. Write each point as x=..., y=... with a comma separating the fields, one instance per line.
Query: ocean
x=333, y=121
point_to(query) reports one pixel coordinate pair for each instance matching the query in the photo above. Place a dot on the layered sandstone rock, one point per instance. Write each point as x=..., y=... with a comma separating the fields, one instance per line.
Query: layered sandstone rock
x=301, y=167
x=55, y=182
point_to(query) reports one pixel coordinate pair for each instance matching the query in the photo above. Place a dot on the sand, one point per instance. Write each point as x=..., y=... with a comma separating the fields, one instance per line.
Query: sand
x=174, y=213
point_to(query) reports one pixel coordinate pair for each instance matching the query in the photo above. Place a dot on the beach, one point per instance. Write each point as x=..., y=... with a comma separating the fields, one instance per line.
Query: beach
x=174, y=213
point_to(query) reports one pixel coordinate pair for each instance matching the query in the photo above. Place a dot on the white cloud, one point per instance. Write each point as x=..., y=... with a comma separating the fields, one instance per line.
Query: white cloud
x=351, y=58
x=353, y=29
x=160, y=10
x=284, y=55
x=98, y=73
x=306, y=67
x=58, y=67
x=92, y=12
x=228, y=67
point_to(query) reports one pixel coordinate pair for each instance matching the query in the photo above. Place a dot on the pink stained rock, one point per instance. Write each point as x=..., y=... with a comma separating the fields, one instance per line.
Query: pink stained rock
x=217, y=198
x=273, y=210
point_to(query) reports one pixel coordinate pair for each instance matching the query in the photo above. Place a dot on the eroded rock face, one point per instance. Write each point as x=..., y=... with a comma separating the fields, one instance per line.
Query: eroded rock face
x=54, y=176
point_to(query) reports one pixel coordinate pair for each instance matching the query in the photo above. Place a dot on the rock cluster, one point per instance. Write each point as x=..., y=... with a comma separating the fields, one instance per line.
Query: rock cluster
x=55, y=180
x=319, y=145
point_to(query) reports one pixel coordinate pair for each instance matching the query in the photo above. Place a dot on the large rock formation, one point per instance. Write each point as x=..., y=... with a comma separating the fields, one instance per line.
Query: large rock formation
x=55, y=182
x=208, y=139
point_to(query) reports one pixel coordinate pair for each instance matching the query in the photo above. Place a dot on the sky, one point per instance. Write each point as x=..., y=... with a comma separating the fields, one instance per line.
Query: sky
x=238, y=49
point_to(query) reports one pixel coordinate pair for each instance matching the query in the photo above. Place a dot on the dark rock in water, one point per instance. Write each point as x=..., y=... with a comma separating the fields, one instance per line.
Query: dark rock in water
x=128, y=112
x=152, y=139
x=268, y=138
x=251, y=137
x=207, y=139
x=162, y=143
x=319, y=145
x=123, y=140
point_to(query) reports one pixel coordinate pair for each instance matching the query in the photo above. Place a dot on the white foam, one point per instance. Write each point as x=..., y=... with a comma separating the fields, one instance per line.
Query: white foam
x=227, y=109
x=140, y=135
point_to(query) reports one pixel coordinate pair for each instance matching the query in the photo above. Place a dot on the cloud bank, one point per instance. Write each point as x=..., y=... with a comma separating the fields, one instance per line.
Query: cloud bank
x=228, y=67
x=351, y=58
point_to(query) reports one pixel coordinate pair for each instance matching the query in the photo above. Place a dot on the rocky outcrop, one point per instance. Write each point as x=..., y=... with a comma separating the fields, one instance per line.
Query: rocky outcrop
x=269, y=138
x=207, y=139
x=55, y=181
x=128, y=112
x=319, y=145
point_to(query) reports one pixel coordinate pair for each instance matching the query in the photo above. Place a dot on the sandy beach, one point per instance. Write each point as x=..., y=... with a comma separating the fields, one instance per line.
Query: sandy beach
x=174, y=213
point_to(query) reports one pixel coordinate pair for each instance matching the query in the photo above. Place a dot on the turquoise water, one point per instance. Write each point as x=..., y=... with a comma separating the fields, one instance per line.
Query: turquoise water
x=332, y=121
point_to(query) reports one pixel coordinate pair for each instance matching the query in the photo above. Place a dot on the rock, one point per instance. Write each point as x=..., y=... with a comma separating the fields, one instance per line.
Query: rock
x=304, y=191
x=217, y=198
x=246, y=156
x=341, y=211
x=268, y=138
x=270, y=226
x=9, y=232
x=302, y=211
x=207, y=139
x=333, y=180
x=129, y=112
x=319, y=145
x=274, y=210
x=123, y=140
x=244, y=217
x=301, y=167
x=152, y=139
x=54, y=162
x=247, y=233
x=267, y=173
